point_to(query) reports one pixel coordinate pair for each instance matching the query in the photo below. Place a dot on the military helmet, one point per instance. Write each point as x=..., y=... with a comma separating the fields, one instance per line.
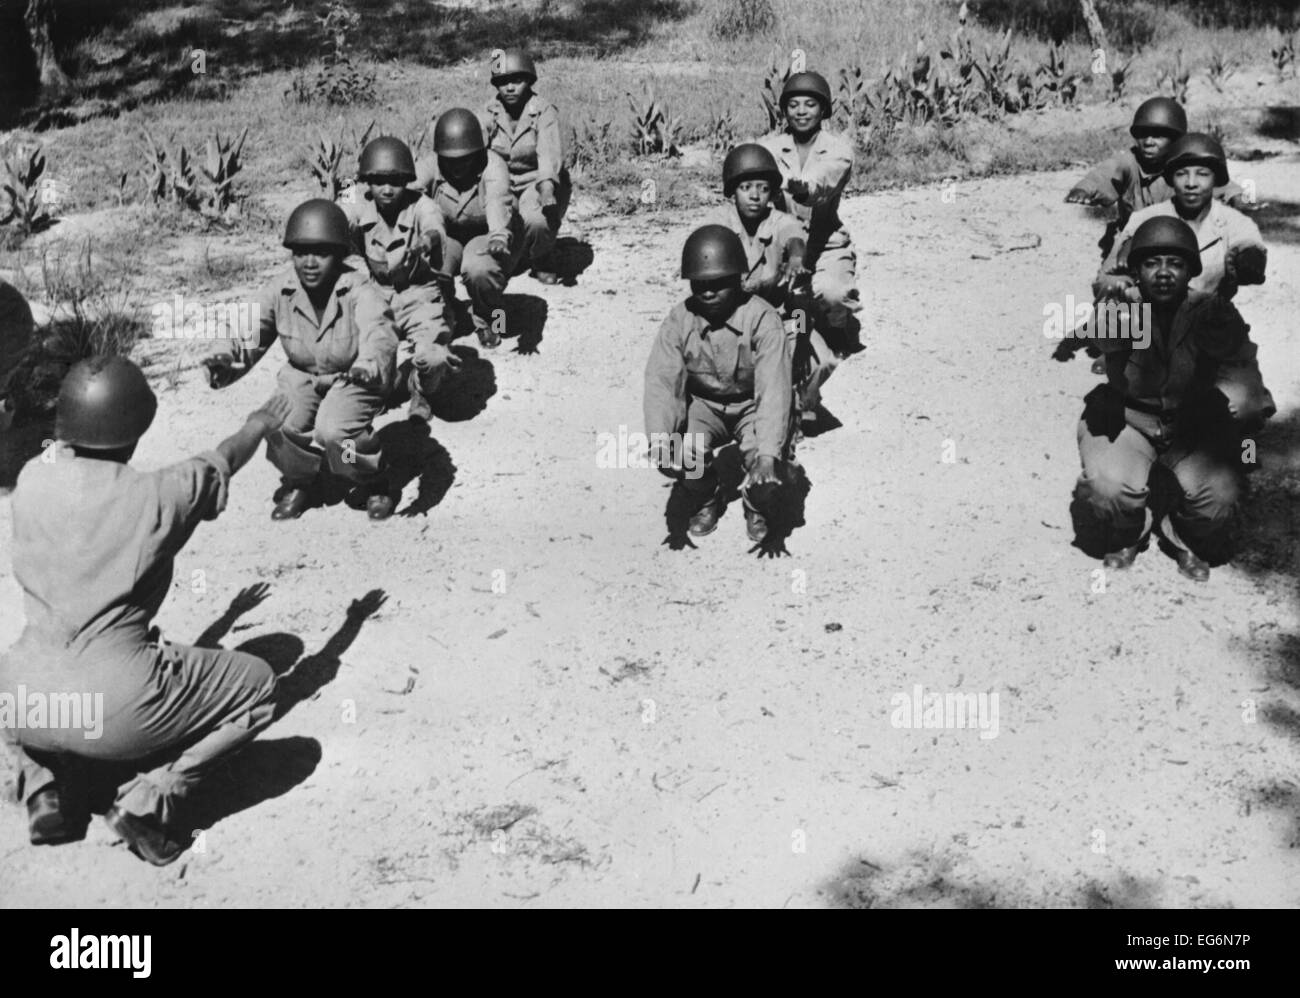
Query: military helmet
x=317, y=222
x=1197, y=149
x=104, y=403
x=386, y=156
x=1159, y=114
x=513, y=62
x=749, y=161
x=1165, y=234
x=458, y=133
x=808, y=85
x=711, y=252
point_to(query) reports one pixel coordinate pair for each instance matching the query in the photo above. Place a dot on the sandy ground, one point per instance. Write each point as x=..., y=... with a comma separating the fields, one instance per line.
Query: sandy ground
x=552, y=707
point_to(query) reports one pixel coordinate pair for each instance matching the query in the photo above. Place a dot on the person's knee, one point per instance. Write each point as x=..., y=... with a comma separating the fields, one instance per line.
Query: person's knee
x=1109, y=494
x=1213, y=495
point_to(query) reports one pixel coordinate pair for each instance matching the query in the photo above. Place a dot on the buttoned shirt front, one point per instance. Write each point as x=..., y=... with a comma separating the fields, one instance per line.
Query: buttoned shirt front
x=485, y=208
x=1218, y=230
x=531, y=146
x=748, y=355
x=826, y=171
x=405, y=253
x=356, y=326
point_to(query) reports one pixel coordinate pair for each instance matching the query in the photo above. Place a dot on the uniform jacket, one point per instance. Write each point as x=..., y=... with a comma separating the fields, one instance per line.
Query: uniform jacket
x=486, y=209
x=531, y=146
x=357, y=326
x=407, y=253
x=1206, y=336
x=765, y=250
x=1219, y=230
x=94, y=543
x=1121, y=181
x=747, y=356
x=830, y=162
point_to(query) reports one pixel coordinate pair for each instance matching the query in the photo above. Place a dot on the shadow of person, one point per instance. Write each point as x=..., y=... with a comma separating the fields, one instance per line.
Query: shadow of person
x=573, y=256
x=413, y=454
x=682, y=505
x=261, y=771
x=783, y=508
x=525, y=320
x=247, y=599
x=312, y=673
x=464, y=394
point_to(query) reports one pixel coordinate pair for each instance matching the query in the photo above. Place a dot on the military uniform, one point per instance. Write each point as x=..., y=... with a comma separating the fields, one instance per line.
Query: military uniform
x=331, y=417
x=831, y=256
x=1170, y=416
x=404, y=261
x=93, y=548
x=471, y=218
x=533, y=152
x=1219, y=230
x=729, y=380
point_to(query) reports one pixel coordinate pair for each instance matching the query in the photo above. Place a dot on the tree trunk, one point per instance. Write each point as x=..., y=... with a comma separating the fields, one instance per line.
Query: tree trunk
x=1096, y=33
x=39, y=19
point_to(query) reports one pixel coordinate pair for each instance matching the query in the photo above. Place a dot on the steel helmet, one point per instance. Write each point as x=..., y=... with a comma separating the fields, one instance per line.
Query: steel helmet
x=1165, y=234
x=1197, y=149
x=513, y=62
x=749, y=161
x=1163, y=114
x=387, y=156
x=317, y=222
x=808, y=85
x=458, y=133
x=104, y=403
x=711, y=252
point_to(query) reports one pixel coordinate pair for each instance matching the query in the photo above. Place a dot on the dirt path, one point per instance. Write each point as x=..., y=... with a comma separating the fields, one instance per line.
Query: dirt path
x=630, y=725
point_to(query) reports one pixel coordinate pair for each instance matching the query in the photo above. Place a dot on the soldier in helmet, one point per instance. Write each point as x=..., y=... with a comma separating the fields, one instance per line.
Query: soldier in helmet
x=341, y=341
x=775, y=246
x=524, y=130
x=398, y=231
x=1161, y=403
x=94, y=542
x=1232, y=253
x=16, y=330
x=815, y=165
x=720, y=370
x=485, y=236
x=1232, y=249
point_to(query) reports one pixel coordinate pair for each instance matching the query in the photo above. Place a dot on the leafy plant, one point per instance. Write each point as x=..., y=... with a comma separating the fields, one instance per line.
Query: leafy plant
x=591, y=145
x=1220, y=69
x=27, y=208
x=221, y=164
x=654, y=130
x=339, y=81
x=1176, y=75
x=1284, y=54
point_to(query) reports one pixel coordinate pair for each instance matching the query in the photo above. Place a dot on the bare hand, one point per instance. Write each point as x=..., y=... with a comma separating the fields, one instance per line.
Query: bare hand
x=798, y=190
x=1080, y=196
x=546, y=195
x=273, y=413
x=499, y=247
x=764, y=472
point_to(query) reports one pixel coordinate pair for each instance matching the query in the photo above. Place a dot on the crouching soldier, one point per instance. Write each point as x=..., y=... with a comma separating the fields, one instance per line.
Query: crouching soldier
x=720, y=370
x=484, y=235
x=1232, y=249
x=341, y=342
x=815, y=165
x=94, y=542
x=524, y=130
x=1161, y=403
x=1133, y=178
x=398, y=231
x=775, y=247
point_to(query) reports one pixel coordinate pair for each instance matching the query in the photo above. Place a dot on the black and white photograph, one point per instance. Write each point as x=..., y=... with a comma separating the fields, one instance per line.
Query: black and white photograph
x=651, y=454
